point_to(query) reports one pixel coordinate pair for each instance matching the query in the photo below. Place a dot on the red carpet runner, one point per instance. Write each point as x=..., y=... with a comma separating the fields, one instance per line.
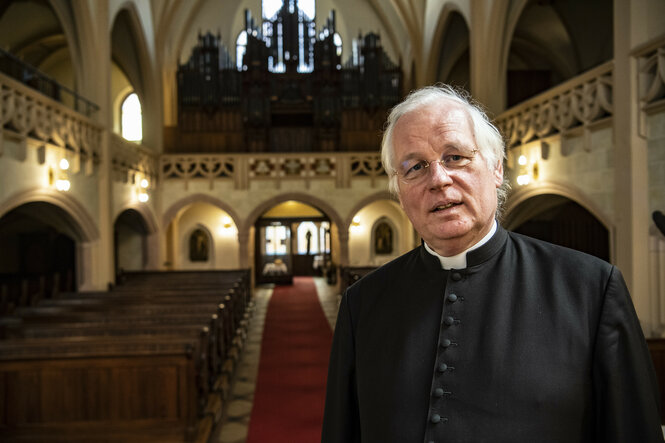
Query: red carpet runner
x=290, y=388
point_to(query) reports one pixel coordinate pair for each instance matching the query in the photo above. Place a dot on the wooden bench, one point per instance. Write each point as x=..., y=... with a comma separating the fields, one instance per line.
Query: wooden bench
x=104, y=389
x=133, y=328
x=351, y=274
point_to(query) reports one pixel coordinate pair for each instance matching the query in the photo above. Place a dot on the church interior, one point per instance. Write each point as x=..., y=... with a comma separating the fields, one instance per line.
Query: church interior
x=155, y=148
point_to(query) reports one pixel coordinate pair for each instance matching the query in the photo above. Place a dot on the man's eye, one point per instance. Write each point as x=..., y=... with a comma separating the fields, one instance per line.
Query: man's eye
x=456, y=160
x=415, y=168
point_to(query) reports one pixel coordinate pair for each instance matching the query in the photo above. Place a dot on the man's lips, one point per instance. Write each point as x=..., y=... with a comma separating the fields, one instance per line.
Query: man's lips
x=445, y=206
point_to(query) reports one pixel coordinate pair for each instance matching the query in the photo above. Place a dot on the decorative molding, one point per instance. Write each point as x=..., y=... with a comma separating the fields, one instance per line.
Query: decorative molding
x=30, y=114
x=579, y=102
x=128, y=157
x=245, y=168
x=651, y=75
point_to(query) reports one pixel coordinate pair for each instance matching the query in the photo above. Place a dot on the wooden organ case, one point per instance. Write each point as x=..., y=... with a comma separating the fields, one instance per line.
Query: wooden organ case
x=291, y=93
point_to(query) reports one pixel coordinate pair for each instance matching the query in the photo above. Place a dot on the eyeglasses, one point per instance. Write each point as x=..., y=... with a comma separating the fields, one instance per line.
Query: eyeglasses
x=416, y=171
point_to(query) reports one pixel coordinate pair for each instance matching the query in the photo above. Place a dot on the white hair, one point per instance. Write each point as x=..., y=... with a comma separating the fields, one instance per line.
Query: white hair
x=488, y=139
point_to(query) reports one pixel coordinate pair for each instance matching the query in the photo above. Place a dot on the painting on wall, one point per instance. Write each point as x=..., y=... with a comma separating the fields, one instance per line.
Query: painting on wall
x=383, y=239
x=199, y=246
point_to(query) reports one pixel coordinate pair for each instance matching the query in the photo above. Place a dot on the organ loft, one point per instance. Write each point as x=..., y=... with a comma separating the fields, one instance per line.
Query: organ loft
x=288, y=90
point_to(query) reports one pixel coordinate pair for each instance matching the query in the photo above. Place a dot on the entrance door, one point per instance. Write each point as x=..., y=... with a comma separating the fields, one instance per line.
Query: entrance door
x=274, y=261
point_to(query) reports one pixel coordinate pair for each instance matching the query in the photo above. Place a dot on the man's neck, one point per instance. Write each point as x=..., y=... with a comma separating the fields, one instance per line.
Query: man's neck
x=458, y=261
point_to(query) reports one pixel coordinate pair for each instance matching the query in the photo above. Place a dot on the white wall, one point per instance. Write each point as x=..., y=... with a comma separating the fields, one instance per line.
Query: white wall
x=223, y=253
x=360, y=237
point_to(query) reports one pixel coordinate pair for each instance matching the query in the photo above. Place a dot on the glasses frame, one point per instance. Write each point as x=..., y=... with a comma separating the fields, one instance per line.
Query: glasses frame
x=441, y=161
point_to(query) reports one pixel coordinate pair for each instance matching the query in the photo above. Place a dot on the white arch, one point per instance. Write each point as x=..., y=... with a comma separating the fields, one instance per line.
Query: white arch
x=564, y=190
x=86, y=227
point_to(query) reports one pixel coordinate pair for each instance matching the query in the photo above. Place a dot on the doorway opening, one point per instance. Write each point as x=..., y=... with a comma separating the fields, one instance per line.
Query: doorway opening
x=292, y=239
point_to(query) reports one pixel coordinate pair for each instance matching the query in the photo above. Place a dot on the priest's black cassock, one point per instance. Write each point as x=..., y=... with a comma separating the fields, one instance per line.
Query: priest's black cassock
x=531, y=342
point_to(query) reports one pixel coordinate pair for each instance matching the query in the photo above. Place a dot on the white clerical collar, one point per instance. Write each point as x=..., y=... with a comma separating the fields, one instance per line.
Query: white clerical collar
x=459, y=261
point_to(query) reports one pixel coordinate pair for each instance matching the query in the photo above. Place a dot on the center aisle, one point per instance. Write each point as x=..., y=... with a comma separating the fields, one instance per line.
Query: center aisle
x=290, y=390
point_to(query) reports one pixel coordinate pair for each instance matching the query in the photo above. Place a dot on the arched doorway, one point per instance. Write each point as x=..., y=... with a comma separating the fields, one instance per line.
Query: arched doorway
x=130, y=236
x=291, y=238
x=561, y=221
x=38, y=259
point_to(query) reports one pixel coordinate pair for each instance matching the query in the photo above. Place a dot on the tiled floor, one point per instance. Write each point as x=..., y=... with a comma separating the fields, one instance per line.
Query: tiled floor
x=237, y=411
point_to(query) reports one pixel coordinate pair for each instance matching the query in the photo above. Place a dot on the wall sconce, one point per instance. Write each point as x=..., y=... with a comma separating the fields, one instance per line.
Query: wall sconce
x=142, y=194
x=58, y=177
x=355, y=225
x=227, y=227
x=525, y=173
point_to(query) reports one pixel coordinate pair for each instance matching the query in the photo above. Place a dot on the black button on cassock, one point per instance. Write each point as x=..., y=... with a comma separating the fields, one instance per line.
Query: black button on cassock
x=449, y=321
x=452, y=298
x=438, y=392
x=456, y=276
x=446, y=342
x=435, y=418
x=443, y=367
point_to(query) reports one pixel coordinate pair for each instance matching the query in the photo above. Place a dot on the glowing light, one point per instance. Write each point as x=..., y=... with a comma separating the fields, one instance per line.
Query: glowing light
x=132, y=122
x=144, y=183
x=143, y=197
x=522, y=160
x=227, y=227
x=62, y=185
x=356, y=227
x=523, y=180
x=64, y=164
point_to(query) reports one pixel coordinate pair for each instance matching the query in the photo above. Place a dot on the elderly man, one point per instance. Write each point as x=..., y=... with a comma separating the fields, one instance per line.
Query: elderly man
x=481, y=335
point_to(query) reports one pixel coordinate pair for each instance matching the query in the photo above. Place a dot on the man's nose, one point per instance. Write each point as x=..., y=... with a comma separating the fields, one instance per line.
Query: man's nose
x=439, y=175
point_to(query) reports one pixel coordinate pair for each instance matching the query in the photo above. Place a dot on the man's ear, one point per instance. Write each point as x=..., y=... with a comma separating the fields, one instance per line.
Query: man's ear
x=498, y=174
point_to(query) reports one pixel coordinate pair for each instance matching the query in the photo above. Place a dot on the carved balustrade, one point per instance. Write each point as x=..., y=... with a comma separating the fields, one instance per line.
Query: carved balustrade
x=242, y=169
x=651, y=65
x=30, y=114
x=132, y=158
x=581, y=101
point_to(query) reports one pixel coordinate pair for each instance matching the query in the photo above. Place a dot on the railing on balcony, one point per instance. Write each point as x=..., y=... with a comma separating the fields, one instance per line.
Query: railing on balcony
x=242, y=169
x=132, y=158
x=34, y=78
x=651, y=65
x=581, y=101
x=30, y=114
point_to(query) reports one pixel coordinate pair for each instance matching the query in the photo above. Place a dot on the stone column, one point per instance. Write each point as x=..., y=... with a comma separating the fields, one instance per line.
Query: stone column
x=489, y=38
x=631, y=208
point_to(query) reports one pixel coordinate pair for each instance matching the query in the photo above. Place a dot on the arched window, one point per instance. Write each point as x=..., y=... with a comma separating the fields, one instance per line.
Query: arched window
x=132, y=121
x=241, y=48
x=270, y=7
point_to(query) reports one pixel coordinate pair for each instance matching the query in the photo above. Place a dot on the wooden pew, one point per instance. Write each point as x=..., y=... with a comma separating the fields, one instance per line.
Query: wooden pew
x=103, y=389
x=147, y=314
x=351, y=274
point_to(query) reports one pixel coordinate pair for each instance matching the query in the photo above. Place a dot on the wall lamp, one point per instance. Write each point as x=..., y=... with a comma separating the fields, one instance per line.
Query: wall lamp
x=58, y=176
x=142, y=194
x=526, y=173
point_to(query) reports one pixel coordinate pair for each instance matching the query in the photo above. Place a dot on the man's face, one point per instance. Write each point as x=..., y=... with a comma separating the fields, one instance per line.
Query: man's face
x=452, y=209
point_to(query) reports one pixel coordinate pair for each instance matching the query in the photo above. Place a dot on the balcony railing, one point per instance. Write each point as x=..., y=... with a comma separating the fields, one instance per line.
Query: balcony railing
x=581, y=101
x=29, y=75
x=131, y=158
x=29, y=113
x=242, y=169
x=651, y=62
